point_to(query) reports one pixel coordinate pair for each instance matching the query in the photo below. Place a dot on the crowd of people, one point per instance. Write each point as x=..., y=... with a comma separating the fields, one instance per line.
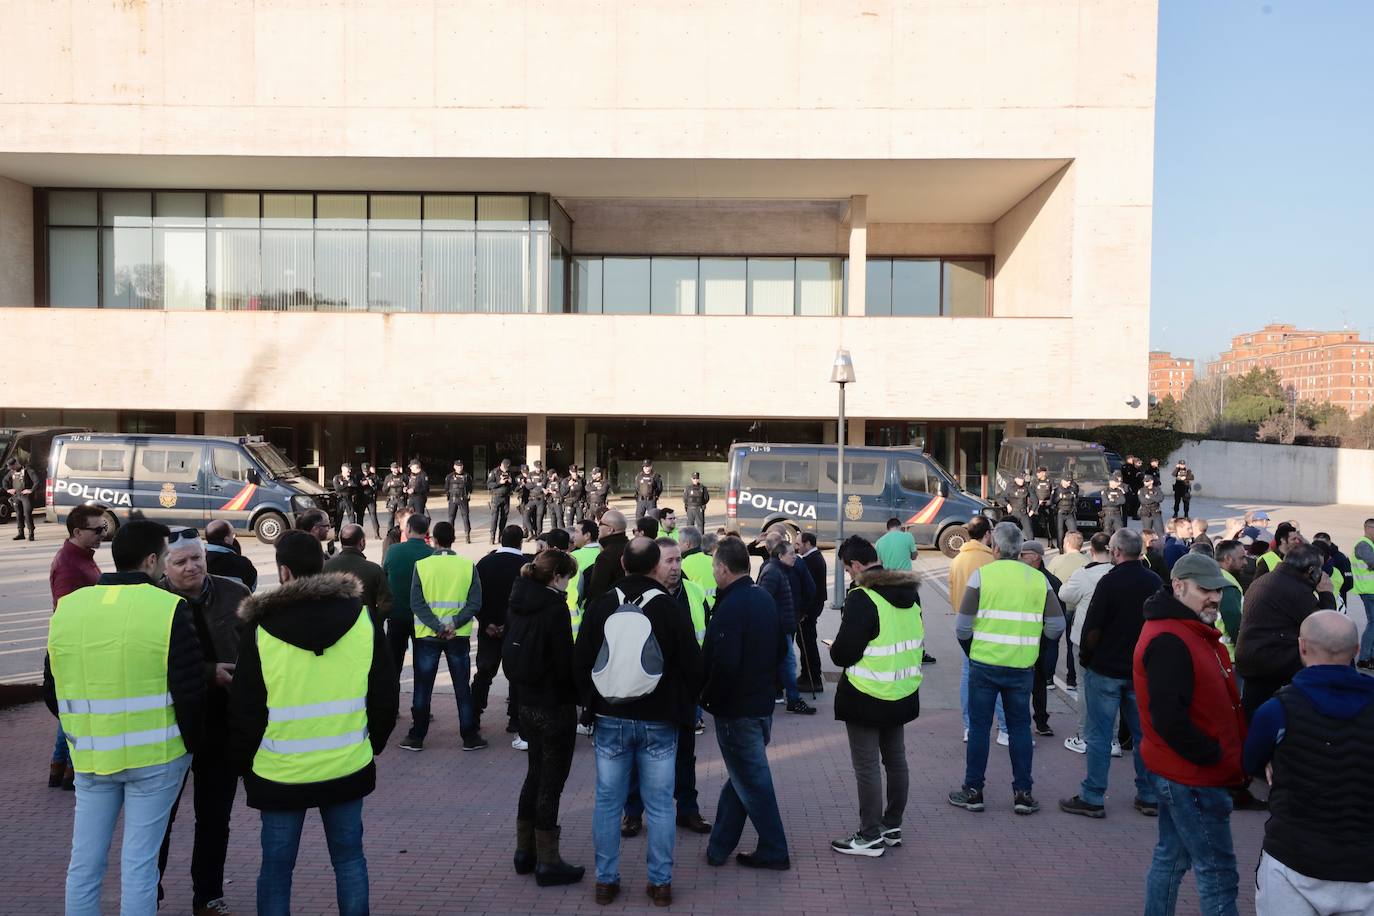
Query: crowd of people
x=1218, y=664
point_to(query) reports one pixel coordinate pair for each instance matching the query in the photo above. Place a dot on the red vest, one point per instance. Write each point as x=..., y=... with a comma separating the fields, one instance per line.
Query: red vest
x=1216, y=708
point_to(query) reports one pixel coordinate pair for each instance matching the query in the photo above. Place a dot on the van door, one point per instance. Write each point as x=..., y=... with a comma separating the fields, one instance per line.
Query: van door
x=229, y=494
x=169, y=485
x=917, y=497
x=866, y=504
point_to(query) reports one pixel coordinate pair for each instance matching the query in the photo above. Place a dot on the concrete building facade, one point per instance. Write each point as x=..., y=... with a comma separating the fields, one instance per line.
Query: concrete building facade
x=1170, y=375
x=589, y=231
x=1322, y=366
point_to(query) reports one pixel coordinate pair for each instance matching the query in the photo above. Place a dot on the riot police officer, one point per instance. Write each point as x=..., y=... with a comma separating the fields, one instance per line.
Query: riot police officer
x=394, y=490
x=1131, y=473
x=1017, y=496
x=1113, y=503
x=500, y=484
x=1042, y=488
x=1065, y=501
x=535, y=499
x=598, y=493
x=367, y=497
x=458, y=489
x=345, y=487
x=19, y=484
x=556, y=499
x=577, y=495
x=1183, y=487
x=1154, y=471
x=417, y=487
x=694, y=500
x=648, y=488
x=1151, y=498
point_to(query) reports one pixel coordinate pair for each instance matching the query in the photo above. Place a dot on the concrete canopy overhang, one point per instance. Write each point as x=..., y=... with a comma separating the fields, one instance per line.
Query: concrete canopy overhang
x=898, y=191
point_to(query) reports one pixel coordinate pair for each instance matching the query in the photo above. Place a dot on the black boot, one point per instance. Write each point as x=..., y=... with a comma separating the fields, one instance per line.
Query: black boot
x=552, y=870
x=524, y=847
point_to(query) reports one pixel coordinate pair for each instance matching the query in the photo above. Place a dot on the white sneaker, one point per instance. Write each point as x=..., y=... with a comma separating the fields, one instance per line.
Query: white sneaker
x=966, y=736
x=520, y=744
x=856, y=845
x=584, y=730
x=1116, y=748
x=1076, y=744
x=1003, y=739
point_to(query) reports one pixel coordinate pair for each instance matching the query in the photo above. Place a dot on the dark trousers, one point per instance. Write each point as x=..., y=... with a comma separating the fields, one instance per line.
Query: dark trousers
x=425, y=667
x=488, y=663
x=557, y=516
x=1064, y=521
x=808, y=652
x=457, y=507
x=391, y=511
x=1186, y=499
x=748, y=791
x=1256, y=691
x=500, y=512
x=23, y=511
x=213, y=788
x=577, y=512
x=552, y=734
x=696, y=517
x=1111, y=522
x=874, y=751
x=646, y=507
x=684, y=772
x=1023, y=519
x=1150, y=521
x=367, y=508
x=399, y=633
x=1045, y=664
x=417, y=504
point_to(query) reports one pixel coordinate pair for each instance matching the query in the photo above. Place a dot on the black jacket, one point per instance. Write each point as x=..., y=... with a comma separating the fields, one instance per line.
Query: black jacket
x=219, y=628
x=1275, y=607
x=815, y=564
x=539, y=639
x=376, y=588
x=607, y=567
x=230, y=564
x=1169, y=676
x=859, y=627
x=743, y=647
x=1115, y=615
x=458, y=486
x=498, y=572
x=185, y=666
x=311, y=613
x=777, y=580
x=500, y=490
x=675, y=697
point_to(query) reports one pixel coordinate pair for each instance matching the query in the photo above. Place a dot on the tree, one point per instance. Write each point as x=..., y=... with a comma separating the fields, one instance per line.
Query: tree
x=1260, y=382
x=1252, y=409
x=1281, y=427
x=1200, y=408
x=1164, y=412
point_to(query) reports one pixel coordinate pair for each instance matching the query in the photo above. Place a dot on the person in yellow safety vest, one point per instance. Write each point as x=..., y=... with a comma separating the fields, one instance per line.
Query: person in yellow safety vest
x=1230, y=556
x=667, y=525
x=696, y=561
x=585, y=551
x=445, y=596
x=314, y=699
x=879, y=646
x=1286, y=537
x=1006, y=610
x=125, y=676
x=1362, y=571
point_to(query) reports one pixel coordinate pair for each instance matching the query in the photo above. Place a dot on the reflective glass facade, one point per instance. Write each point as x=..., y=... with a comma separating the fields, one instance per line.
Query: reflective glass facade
x=708, y=286
x=924, y=287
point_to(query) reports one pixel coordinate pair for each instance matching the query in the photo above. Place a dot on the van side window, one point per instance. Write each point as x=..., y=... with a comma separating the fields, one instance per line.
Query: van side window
x=230, y=465
x=176, y=464
x=862, y=476
x=913, y=477
x=95, y=461
x=779, y=473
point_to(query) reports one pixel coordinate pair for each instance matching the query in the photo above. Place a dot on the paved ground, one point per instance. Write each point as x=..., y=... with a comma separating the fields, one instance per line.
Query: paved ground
x=445, y=847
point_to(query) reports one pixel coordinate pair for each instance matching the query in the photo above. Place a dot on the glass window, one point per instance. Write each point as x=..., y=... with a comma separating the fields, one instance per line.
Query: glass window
x=96, y=461
x=673, y=286
x=913, y=477
x=502, y=271
x=878, y=287
x=341, y=270
x=862, y=476
x=179, y=208
x=393, y=264
x=288, y=211
x=965, y=289
x=288, y=269
x=229, y=464
x=724, y=286
x=128, y=277
x=772, y=286
x=73, y=268
x=234, y=210
x=232, y=261
x=503, y=211
x=820, y=287
x=126, y=208
x=587, y=285
x=177, y=464
x=180, y=256
x=71, y=208
x=395, y=211
x=625, y=286
x=341, y=211
x=915, y=288
x=780, y=473
x=449, y=261
x=558, y=269
x=450, y=211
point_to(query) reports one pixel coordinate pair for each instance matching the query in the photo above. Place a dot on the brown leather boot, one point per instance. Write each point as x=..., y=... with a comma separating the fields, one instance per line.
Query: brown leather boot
x=552, y=870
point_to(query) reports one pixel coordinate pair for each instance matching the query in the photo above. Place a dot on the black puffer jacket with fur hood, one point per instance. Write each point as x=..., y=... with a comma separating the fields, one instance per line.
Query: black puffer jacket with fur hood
x=314, y=613
x=858, y=627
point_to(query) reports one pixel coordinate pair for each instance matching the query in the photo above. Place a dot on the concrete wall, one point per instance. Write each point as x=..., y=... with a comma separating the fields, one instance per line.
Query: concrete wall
x=16, y=242
x=1033, y=268
x=1281, y=473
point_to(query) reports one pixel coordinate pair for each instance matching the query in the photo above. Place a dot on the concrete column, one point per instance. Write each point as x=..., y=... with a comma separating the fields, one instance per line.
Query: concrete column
x=858, y=254
x=857, y=430
x=1015, y=428
x=186, y=423
x=16, y=244
x=580, y=443
x=536, y=432
x=217, y=422
x=828, y=432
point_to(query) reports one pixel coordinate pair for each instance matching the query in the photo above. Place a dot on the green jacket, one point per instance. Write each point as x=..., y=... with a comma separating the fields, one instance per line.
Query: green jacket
x=399, y=566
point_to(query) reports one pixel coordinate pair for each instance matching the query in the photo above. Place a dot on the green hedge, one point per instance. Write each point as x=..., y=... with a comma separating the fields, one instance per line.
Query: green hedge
x=1144, y=441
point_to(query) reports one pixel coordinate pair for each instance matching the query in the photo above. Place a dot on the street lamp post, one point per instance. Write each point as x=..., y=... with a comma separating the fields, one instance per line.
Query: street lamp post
x=841, y=373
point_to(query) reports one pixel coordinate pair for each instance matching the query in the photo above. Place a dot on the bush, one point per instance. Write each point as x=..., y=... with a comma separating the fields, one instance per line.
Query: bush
x=1145, y=442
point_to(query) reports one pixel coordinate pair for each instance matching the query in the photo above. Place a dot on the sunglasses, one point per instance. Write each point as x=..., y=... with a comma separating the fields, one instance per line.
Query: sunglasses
x=189, y=534
x=102, y=529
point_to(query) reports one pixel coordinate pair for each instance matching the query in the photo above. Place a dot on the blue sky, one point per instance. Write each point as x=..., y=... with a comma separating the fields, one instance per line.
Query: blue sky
x=1264, y=169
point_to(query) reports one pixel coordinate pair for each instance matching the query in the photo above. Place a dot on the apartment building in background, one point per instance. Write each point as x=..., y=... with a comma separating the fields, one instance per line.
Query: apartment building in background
x=582, y=232
x=1321, y=366
x=1170, y=375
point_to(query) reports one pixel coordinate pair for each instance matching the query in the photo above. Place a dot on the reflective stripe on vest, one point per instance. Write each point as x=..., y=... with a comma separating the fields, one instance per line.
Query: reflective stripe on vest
x=696, y=602
x=697, y=567
x=445, y=579
x=1011, y=612
x=107, y=646
x=1360, y=571
x=585, y=557
x=316, y=708
x=891, y=665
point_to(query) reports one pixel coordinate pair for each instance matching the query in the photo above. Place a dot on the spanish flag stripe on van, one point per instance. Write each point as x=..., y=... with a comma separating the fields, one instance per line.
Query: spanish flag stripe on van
x=927, y=515
x=240, y=501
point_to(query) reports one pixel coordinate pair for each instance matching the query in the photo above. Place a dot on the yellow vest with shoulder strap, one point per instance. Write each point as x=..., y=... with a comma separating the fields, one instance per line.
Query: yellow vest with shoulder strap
x=891, y=665
x=445, y=580
x=1011, y=614
x=1361, y=572
x=316, y=708
x=697, y=568
x=1269, y=561
x=1226, y=640
x=107, y=646
x=696, y=602
x=585, y=557
x=1338, y=583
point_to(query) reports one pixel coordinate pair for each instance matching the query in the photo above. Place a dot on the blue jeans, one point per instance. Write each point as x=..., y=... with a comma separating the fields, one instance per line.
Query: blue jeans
x=281, y=839
x=787, y=672
x=963, y=700
x=1103, y=697
x=623, y=745
x=1367, y=640
x=1194, y=831
x=145, y=794
x=748, y=792
x=424, y=660
x=60, y=752
x=986, y=684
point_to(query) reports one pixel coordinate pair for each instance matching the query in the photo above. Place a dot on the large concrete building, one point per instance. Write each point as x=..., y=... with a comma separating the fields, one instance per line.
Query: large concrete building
x=588, y=230
x=1333, y=367
x=1170, y=375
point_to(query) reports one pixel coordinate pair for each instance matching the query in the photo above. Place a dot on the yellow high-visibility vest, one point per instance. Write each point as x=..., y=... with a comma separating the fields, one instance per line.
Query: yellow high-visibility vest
x=696, y=602
x=585, y=557
x=445, y=580
x=697, y=568
x=1362, y=572
x=891, y=665
x=1011, y=614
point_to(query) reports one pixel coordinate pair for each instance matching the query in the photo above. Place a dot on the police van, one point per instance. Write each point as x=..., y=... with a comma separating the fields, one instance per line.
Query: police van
x=30, y=445
x=1085, y=463
x=180, y=480
x=792, y=488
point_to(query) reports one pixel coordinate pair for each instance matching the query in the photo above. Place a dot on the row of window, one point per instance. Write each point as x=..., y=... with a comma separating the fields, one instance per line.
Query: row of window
x=151, y=463
x=862, y=476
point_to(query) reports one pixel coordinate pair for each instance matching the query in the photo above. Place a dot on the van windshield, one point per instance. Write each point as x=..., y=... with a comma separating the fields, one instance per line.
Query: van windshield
x=275, y=462
x=1076, y=465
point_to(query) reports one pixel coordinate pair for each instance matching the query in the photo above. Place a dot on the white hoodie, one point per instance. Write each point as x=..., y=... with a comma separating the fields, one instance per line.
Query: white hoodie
x=1078, y=592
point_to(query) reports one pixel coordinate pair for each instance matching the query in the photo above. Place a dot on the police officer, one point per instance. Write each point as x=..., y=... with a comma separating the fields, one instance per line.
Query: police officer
x=1017, y=496
x=458, y=491
x=598, y=493
x=1154, y=471
x=1113, y=503
x=577, y=495
x=345, y=487
x=1131, y=473
x=556, y=489
x=648, y=488
x=367, y=497
x=1043, y=490
x=1151, y=496
x=1183, y=487
x=417, y=487
x=694, y=500
x=19, y=484
x=535, y=499
x=500, y=484
x=394, y=490
x=1065, y=501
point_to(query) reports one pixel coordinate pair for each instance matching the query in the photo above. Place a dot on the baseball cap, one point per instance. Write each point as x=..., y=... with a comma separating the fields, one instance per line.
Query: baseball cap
x=1200, y=568
x=1033, y=547
x=1260, y=516
x=696, y=475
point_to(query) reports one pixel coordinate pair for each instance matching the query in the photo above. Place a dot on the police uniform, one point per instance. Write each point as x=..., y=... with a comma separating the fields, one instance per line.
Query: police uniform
x=1065, y=501
x=19, y=478
x=394, y=489
x=366, y=504
x=1113, y=504
x=346, y=489
x=535, y=502
x=694, y=500
x=1150, y=498
x=598, y=493
x=500, y=483
x=418, y=486
x=556, y=496
x=1043, y=490
x=1017, y=497
x=458, y=489
x=648, y=488
x=576, y=498
x=1183, y=488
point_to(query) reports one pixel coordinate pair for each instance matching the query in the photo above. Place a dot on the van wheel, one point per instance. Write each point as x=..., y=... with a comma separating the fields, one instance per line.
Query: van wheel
x=951, y=539
x=7, y=511
x=269, y=527
x=790, y=532
x=111, y=525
